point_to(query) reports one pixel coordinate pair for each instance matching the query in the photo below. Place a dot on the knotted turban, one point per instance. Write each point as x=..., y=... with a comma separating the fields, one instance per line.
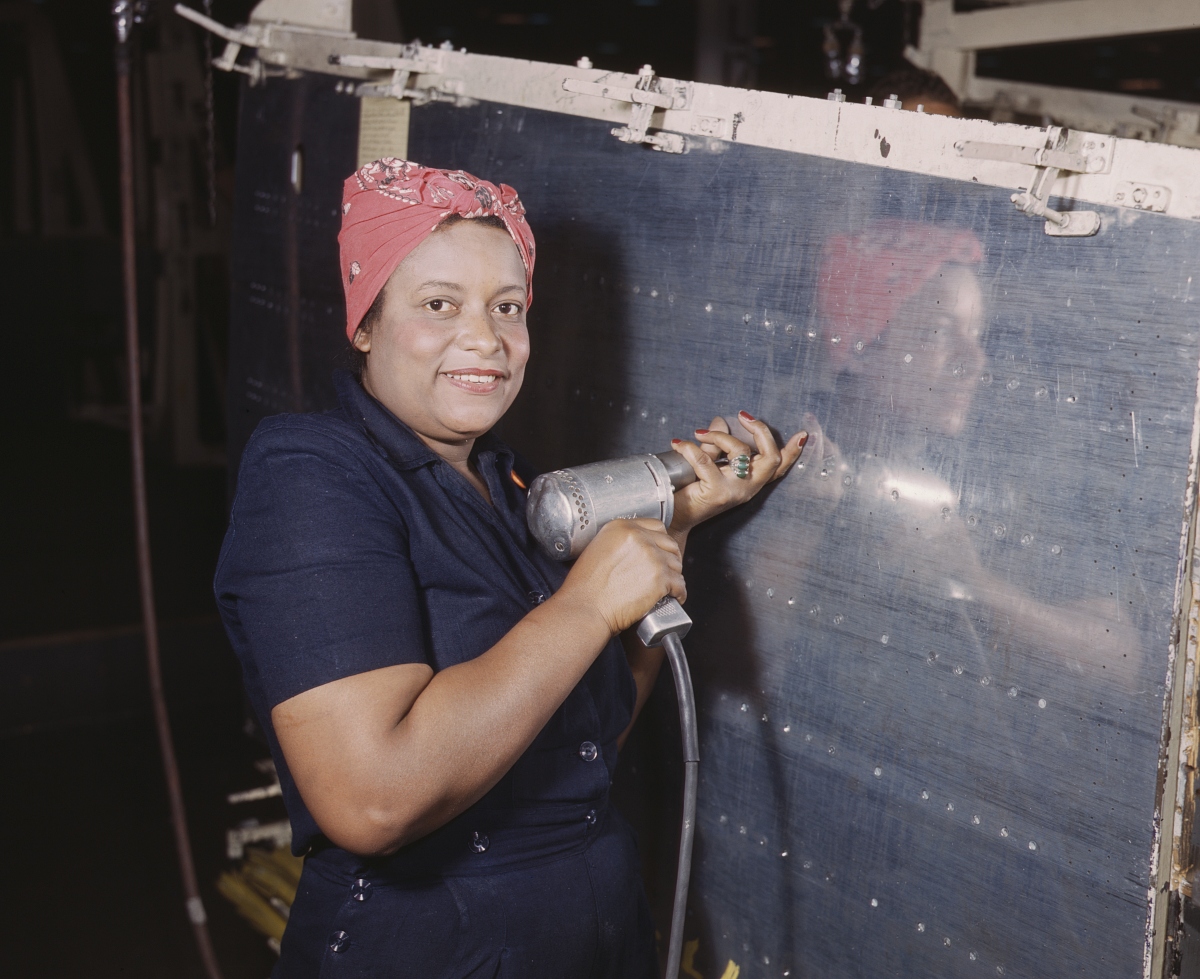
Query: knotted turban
x=391, y=206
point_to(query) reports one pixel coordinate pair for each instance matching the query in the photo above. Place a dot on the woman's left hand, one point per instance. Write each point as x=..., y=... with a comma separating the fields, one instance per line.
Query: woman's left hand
x=720, y=488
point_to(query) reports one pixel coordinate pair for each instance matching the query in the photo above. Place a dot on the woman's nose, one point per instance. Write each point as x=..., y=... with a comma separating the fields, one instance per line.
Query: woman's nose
x=480, y=334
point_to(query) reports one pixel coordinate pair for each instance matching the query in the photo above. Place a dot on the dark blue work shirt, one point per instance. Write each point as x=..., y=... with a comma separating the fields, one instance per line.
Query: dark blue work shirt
x=352, y=546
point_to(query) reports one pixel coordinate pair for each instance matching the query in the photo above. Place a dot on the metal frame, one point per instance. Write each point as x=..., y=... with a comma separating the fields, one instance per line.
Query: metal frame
x=1080, y=167
x=874, y=134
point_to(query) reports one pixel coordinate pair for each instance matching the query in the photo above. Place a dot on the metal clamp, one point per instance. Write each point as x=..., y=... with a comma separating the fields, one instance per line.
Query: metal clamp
x=1074, y=152
x=647, y=94
x=284, y=49
x=235, y=39
x=416, y=60
x=250, y=36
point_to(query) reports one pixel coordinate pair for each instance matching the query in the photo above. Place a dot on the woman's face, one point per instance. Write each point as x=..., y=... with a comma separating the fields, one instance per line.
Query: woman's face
x=448, y=354
x=928, y=361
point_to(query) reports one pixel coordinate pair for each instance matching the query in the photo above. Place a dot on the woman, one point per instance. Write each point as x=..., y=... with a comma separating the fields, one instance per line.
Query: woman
x=443, y=703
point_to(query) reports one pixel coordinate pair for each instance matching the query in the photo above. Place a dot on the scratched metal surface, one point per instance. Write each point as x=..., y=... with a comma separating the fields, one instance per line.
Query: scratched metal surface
x=930, y=664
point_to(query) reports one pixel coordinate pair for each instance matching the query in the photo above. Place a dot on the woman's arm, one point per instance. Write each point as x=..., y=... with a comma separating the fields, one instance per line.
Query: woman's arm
x=384, y=757
x=1085, y=634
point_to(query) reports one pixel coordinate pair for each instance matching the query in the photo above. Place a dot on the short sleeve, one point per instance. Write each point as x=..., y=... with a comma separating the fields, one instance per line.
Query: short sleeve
x=315, y=574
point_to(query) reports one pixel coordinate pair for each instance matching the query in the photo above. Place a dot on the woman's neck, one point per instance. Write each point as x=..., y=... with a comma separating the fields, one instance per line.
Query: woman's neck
x=457, y=453
x=458, y=456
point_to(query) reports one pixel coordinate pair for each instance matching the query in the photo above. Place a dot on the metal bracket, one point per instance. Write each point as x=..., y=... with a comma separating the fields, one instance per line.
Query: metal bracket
x=250, y=36
x=647, y=94
x=416, y=60
x=413, y=58
x=1075, y=152
x=257, y=36
x=235, y=38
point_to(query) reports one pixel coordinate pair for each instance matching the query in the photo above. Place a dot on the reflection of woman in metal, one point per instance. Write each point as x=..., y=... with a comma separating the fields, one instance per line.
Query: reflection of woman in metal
x=901, y=315
x=901, y=310
x=903, y=725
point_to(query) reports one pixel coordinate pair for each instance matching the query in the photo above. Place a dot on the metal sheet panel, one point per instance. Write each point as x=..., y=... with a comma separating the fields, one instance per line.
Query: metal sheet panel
x=931, y=664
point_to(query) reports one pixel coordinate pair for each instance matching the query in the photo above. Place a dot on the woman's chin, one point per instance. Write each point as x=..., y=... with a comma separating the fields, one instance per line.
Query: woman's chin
x=471, y=423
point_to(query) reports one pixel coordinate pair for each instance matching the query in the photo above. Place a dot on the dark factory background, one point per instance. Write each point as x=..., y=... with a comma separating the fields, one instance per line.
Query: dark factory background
x=91, y=885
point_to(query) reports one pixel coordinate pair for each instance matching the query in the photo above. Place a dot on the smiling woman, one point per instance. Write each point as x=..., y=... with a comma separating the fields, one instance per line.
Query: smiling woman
x=444, y=703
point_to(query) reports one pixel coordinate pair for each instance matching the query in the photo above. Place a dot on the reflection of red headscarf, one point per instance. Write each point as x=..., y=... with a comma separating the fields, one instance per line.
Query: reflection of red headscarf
x=391, y=206
x=866, y=277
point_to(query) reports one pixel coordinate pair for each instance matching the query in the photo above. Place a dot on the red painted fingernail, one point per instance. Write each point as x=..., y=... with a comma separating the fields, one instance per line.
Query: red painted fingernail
x=748, y=415
x=677, y=441
x=702, y=431
x=802, y=438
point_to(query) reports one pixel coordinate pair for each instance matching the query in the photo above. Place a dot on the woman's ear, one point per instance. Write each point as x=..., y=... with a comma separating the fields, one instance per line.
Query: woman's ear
x=362, y=340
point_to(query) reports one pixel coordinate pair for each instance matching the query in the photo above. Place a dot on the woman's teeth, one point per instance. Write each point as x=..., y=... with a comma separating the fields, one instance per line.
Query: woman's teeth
x=475, y=378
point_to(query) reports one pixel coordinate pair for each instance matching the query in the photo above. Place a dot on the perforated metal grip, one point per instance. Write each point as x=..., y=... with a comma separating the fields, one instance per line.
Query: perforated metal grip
x=566, y=508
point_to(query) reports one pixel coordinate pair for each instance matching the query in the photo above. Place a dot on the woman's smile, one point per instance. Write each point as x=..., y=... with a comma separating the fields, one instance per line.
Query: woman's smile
x=475, y=381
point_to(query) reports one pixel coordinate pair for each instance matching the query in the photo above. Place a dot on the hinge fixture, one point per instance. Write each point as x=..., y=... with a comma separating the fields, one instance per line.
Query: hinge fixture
x=648, y=93
x=415, y=60
x=1074, y=152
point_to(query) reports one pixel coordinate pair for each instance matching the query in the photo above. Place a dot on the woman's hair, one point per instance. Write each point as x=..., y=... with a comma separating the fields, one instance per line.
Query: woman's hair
x=358, y=359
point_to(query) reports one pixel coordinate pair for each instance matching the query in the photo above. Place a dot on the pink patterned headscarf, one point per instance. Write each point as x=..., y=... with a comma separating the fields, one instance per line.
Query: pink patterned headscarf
x=391, y=206
x=865, y=278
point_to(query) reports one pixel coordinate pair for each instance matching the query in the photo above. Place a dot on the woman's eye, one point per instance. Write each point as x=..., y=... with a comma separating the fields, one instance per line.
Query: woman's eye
x=437, y=305
x=508, y=309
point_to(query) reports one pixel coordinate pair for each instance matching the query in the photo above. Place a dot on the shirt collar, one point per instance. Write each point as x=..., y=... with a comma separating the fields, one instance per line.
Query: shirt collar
x=400, y=442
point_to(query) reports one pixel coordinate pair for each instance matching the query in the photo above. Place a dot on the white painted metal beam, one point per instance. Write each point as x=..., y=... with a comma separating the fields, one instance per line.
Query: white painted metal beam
x=324, y=15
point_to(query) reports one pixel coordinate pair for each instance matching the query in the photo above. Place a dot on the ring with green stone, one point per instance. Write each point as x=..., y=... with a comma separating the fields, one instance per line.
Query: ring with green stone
x=741, y=466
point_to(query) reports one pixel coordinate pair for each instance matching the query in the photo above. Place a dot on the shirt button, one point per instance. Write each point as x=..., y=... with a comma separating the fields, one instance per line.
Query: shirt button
x=536, y=598
x=591, y=817
x=588, y=751
x=360, y=890
x=480, y=842
x=339, y=941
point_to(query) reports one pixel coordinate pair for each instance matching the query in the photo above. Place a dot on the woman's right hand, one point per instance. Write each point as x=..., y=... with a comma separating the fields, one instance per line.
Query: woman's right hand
x=626, y=570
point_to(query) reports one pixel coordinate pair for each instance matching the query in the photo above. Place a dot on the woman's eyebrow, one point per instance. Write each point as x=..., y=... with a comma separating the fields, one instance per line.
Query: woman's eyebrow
x=457, y=286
